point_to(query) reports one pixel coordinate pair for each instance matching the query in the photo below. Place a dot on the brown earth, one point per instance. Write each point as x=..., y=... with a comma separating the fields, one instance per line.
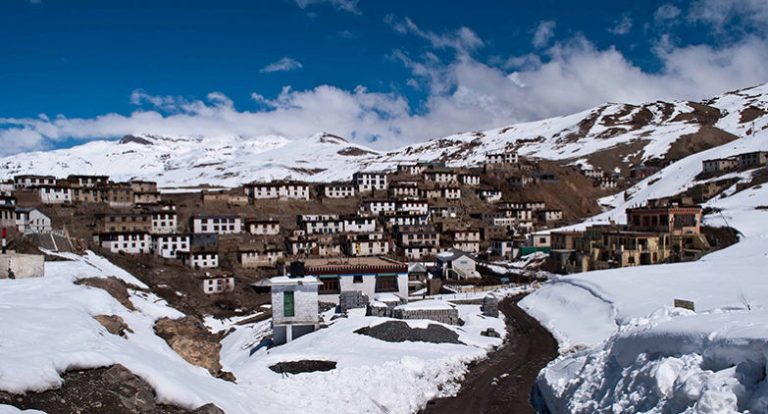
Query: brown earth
x=190, y=338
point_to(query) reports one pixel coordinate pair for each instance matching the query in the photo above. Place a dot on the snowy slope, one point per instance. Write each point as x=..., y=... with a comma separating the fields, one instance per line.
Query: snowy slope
x=610, y=135
x=372, y=376
x=625, y=349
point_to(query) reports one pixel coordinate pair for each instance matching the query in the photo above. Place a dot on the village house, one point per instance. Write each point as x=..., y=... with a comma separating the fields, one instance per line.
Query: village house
x=7, y=186
x=539, y=239
x=469, y=179
x=640, y=172
x=7, y=216
x=366, y=244
x=506, y=247
x=141, y=186
x=467, y=240
x=123, y=222
x=146, y=198
x=406, y=220
x=32, y=220
x=456, y=265
x=440, y=176
x=665, y=216
x=331, y=226
x=302, y=218
x=451, y=193
x=294, y=305
x=199, y=258
x=127, y=242
x=300, y=245
x=378, y=206
x=719, y=165
x=218, y=283
x=490, y=195
x=357, y=224
x=266, y=227
x=404, y=190
x=164, y=221
x=413, y=206
x=7, y=200
x=430, y=193
x=445, y=212
x=118, y=195
x=418, y=277
x=30, y=181
x=550, y=215
x=219, y=224
x=278, y=190
x=89, y=195
x=753, y=159
x=88, y=181
x=606, y=183
x=255, y=258
x=419, y=251
x=594, y=174
x=520, y=180
x=368, y=275
x=369, y=181
x=55, y=194
x=506, y=157
x=418, y=235
x=167, y=245
x=338, y=190
x=411, y=169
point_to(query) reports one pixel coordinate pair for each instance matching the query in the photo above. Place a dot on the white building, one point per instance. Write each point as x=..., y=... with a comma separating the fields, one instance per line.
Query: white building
x=451, y=193
x=286, y=191
x=339, y=190
x=32, y=220
x=441, y=177
x=369, y=181
x=368, y=275
x=490, y=196
x=294, y=307
x=469, y=179
x=504, y=248
x=456, y=265
x=404, y=190
x=378, y=206
x=168, y=245
x=371, y=244
x=413, y=206
x=28, y=181
x=199, y=259
x=219, y=224
x=507, y=157
x=263, y=227
x=540, y=239
x=407, y=220
x=55, y=194
x=251, y=259
x=355, y=224
x=550, y=215
x=129, y=243
x=332, y=226
x=164, y=222
x=419, y=252
x=214, y=284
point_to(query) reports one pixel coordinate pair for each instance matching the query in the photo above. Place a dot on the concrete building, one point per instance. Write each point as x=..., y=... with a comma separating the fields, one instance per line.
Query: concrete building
x=506, y=157
x=369, y=275
x=168, y=245
x=719, y=165
x=29, y=181
x=128, y=242
x=370, y=181
x=295, y=309
x=366, y=244
x=199, y=259
x=21, y=266
x=32, y=220
x=88, y=181
x=219, y=224
x=262, y=227
x=378, y=206
x=469, y=179
x=164, y=222
x=339, y=190
x=55, y=194
x=456, y=265
x=219, y=283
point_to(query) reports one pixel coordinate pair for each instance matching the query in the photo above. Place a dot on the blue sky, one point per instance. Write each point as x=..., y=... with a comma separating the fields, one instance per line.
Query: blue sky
x=383, y=73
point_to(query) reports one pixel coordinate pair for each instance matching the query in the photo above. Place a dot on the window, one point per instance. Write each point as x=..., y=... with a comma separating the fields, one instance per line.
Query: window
x=357, y=279
x=386, y=284
x=330, y=285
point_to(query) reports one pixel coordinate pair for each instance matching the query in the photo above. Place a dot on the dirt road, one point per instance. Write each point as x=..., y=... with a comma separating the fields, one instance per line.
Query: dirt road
x=503, y=382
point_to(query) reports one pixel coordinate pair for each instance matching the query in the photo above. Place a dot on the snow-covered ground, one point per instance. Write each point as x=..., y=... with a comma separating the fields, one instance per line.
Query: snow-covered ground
x=47, y=327
x=626, y=349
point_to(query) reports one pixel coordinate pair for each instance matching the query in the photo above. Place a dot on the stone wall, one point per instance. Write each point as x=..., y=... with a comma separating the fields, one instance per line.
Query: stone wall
x=22, y=265
x=447, y=316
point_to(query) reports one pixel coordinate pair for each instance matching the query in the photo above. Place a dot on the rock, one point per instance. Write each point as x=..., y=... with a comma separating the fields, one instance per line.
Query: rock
x=190, y=339
x=114, y=286
x=491, y=333
x=397, y=331
x=134, y=393
x=209, y=408
x=114, y=324
x=490, y=306
x=298, y=367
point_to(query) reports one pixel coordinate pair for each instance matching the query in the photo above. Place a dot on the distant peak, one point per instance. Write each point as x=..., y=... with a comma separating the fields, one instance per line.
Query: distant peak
x=138, y=140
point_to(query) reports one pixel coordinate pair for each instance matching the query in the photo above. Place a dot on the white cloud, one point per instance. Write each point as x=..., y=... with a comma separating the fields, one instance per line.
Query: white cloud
x=543, y=33
x=346, y=5
x=666, y=12
x=622, y=27
x=463, y=40
x=285, y=64
x=463, y=94
x=750, y=13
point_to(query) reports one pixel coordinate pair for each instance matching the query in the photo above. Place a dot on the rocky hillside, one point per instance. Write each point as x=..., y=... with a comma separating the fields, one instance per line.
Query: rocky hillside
x=609, y=136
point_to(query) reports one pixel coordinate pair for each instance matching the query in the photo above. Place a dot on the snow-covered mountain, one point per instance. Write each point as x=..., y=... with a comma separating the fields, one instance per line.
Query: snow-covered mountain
x=609, y=136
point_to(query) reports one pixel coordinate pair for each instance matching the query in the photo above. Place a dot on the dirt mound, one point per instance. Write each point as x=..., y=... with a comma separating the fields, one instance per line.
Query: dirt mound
x=114, y=390
x=114, y=324
x=114, y=286
x=397, y=331
x=190, y=339
x=307, y=365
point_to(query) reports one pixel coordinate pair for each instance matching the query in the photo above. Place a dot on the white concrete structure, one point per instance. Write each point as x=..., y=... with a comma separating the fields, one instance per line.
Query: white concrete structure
x=88, y=181
x=407, y=220
x=378, y=206
x=356, y=224
x=504, y=248
x=404, y=190
x=21, y=265
x=550, y=215
x=129, y=243
x=168, y=245
x=419, y=252
x=164, y=222
x=339, y=190
x=263, y=227
x=199, y=259
x=441, y=177
x=32, y=220
x=213, y=284
x=457, y=265
x=286, y=191
x=469, y=179
x=368, y=275
x=372, y=244
x=451, y=193
x=490, y=196
x=540, y=239
x=221, y=224
x=27, y=181
x=508, y=157
x=54, y=194
x=413, y=206
x=294, y=307
x=369, y=181
x=324, y=226
x=252, y=259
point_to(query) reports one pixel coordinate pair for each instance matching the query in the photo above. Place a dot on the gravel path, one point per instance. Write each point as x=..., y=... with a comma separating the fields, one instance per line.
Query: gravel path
x=502, y=383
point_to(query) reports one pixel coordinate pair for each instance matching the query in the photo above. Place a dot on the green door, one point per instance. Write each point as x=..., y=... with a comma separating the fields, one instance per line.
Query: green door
x=288, y=304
